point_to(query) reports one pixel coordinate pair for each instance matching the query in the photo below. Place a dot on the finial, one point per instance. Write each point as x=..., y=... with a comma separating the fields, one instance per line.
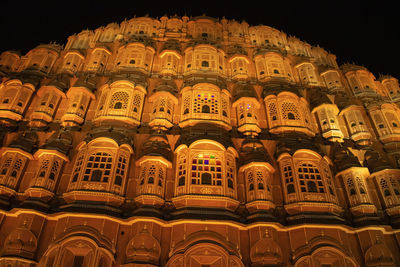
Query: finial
x=267, y=233
x=378, y=239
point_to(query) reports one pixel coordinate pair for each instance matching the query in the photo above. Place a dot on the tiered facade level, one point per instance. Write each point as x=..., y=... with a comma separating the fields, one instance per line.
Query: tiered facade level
x=196, y=142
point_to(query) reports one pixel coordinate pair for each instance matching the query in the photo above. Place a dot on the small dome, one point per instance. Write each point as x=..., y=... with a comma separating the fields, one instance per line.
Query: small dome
x=343, y=158
x=27, y=142
x=243, y=90
x=118, y=134
x=344, y=101
x=166, y=87
x=21, y=243
x=379, y=255
x=351, y=67
x=266, y=251
x=236, y=49
x=291, y=145
x=87, y=81
x=60, y=141
x=157, y=145
x=136, y=78
x=374, y=162
x=172, y=44
x=204, y=131
x=61, y=81
x=318, y=99
x=143, y=247
x=51, y=46
x=278, y=87
x=253, y=150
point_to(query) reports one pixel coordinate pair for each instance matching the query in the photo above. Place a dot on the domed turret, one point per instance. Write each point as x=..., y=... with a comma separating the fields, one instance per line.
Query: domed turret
x=385, y=178
x=326, y=114
x=164, y=101
x=266, y=252
x=247, y=108
x=51, y=157
x=353, y=177
x=154, y=163
x=20, y=243
x=257, y=169
x=143, y=248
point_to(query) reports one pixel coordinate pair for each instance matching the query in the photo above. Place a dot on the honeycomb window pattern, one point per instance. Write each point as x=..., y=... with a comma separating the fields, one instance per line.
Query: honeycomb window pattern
x=119, y=100
x=186, y=105
x=250, y=181
x=361, y=186
x=350, y=187
x=137, y=102
x=290, y=111
x=385, y=188
x=273, y=113
x=261, y=182
x=54, y=170
x=7, y=163
x=43, y=168
x=143, y=175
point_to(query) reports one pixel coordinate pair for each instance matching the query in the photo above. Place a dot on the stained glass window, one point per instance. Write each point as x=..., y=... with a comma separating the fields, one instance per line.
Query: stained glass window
x=205, y=103
x=206, y=169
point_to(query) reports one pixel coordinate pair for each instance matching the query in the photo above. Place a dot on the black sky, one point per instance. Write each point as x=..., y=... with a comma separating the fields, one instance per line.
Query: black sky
x=355, y=31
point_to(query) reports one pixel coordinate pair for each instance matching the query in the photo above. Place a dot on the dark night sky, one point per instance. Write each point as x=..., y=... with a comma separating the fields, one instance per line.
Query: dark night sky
x=356, y=32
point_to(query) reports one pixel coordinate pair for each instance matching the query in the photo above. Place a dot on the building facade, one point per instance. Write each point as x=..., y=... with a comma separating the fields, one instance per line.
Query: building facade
x=196, y=142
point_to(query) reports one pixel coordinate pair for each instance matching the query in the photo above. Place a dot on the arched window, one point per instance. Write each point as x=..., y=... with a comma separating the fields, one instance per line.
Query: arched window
x=118, y=105
x=119, y=100
x=12, y=165
x=96, y=176
x=258, y=183
x=290, y=188
x=206, y=178
x=100, y=166
x=205, y=102
x=311, y=187
x=208, y=169
x=290, y=111
x=152, y=178
x=205, y=109
x=250, y=181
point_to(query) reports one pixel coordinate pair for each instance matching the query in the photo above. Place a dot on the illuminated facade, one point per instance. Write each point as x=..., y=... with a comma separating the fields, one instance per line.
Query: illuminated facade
x=196, y=142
